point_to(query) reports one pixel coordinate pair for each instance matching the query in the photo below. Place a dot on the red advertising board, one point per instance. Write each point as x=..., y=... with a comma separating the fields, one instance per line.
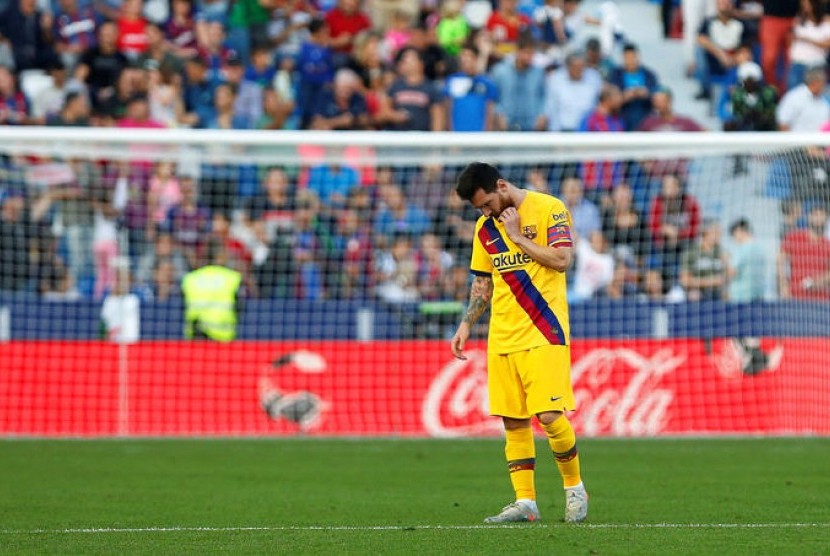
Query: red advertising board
x=402, y=388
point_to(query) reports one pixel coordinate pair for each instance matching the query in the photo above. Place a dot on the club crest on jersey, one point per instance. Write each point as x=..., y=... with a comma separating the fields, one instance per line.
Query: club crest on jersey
x=529, y=231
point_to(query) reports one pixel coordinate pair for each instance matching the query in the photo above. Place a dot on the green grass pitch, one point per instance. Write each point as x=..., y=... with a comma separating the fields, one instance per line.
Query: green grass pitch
x=321, y=496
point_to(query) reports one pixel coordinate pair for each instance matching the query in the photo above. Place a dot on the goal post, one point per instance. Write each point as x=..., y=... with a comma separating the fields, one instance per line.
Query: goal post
x=699, y=298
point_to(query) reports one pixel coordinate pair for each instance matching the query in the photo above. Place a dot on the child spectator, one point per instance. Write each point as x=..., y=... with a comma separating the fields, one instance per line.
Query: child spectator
x=452, y=30
x=315, y=66
x=180, y=30
x=132, y=37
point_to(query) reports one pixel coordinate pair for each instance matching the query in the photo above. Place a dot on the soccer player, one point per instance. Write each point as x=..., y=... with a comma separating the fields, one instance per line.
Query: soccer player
x=521, y=250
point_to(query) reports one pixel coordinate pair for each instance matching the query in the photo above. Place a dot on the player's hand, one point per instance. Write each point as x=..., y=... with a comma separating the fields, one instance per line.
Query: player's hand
x=510, y=218
x=458, y=341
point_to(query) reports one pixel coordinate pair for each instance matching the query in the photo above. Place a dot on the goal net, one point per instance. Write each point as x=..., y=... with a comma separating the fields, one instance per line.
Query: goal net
x=699, y=299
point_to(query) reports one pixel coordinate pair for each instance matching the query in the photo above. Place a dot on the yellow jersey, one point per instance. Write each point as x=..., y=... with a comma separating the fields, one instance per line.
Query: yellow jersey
x=529, y=306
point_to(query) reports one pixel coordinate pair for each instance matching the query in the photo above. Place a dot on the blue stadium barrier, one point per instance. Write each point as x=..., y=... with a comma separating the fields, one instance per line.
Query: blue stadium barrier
x=279, y=319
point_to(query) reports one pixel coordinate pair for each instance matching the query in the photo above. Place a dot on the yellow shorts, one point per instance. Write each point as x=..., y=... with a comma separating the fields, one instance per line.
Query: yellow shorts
x=529, y=382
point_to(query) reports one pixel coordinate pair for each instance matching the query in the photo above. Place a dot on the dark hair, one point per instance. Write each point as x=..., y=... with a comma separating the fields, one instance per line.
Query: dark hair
x=402, y=52
x=630, y=47
x=478, y=175
x=740, y=224
x=316, y=24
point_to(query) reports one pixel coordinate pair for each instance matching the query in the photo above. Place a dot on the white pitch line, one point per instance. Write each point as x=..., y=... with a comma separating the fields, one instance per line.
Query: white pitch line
x=277, y=528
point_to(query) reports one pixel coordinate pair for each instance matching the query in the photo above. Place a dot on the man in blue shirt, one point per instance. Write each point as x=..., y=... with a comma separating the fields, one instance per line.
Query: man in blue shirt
x=637, y=84
x=521, y=88
x=471, y=96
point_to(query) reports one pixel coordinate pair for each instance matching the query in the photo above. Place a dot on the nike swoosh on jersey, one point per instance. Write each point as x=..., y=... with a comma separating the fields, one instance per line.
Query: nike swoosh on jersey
x=492, y=241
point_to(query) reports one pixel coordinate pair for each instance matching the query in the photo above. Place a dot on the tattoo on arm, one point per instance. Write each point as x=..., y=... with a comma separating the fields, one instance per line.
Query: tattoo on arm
x=480, y=295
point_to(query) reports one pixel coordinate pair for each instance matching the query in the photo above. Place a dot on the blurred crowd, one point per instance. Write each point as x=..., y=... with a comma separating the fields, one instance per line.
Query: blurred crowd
x=321, y=230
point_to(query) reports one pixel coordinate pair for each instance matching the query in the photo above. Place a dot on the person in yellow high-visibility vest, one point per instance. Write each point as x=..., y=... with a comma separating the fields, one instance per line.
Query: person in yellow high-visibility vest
x=212, y=298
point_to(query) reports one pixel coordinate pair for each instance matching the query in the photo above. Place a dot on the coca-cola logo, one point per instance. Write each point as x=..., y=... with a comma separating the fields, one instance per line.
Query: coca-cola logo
x=617, y=392
x=456, y=403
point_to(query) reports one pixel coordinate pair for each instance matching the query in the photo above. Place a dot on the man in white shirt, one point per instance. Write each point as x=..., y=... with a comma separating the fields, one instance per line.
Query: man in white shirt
x=805, y=108
x=571, y=92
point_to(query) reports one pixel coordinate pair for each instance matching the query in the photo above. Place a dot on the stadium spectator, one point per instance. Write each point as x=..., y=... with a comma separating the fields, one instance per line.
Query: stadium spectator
x=427, y=185
x=805, y=108
x=594, y=268
x=288, y=29
x=163, y=249
x=550, y=24
x=120, y=312
x=471, y=96
x=571, y=92
x=247, y=106
x=397, y=34
x=137, y=114
x=637, y=84
x=396, y=271
x=585, y=214
x=412, y=103
x=792, y=216
x=521, y=88
x=664, y=118
x=17, y=232
x=752, y=103
x=214, y=51
x=159, y=51
x=198, y=93
x=368, y=63
x=277, y=111
x=164, y=192
x=653, y=286
x=132, y=35
x=106, y=205
x=810, y=41
x=261, y=68
x=269, y=212
x=315, y=66
x=73, y=113
x=14, y=108
x=164, y=95
x=331, y=183
x=309, y=242
x=704, y=267
x=74, y=31
x=341, y=107
x=74, y=203
x=52, y=278
x=28, y=30
x=397, y=214
x=674, y=221
x=189, y=222
x=505, y=25
x=50, y=99
x=349, y=268
x=596, y=60
x=225, y=115
x=248, y=24
x=452, y=30
x=239, y=257
x=164, y=284
x=802, y=174
x=391, y=14
x=101, y=65
x=624, y=227
x=454, y=222
x=719, y=37
x=437, y=62
x=345, y=22
x=804, y=259
x=434, y=262
x=748, y=268
x=774, y=34
x=694, y=13
x=600, y=177
x=180, y=29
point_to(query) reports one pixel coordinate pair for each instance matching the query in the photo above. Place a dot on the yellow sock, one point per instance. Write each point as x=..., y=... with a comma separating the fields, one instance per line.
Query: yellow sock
x=520, y=450
x=563, y=443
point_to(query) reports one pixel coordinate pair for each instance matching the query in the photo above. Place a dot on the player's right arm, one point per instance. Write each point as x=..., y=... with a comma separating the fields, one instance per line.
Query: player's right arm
x=480, y=295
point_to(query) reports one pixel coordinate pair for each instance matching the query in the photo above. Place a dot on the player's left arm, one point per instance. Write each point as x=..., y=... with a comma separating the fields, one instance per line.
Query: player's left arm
x=558, y=256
